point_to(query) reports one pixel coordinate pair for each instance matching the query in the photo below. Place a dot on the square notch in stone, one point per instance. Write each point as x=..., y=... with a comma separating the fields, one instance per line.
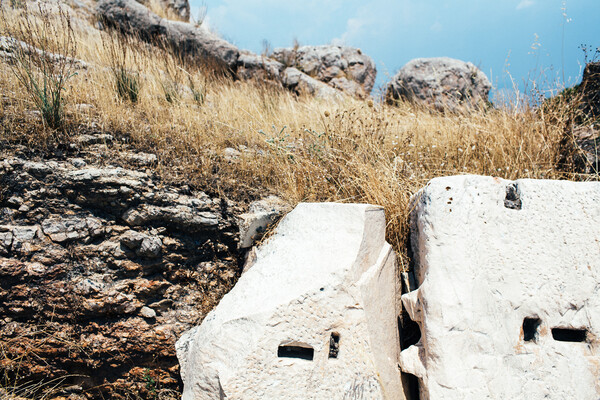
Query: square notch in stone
x=569, y=335
x=531, y=326
x=299, y=350
x=334, y=345
x=512, y=199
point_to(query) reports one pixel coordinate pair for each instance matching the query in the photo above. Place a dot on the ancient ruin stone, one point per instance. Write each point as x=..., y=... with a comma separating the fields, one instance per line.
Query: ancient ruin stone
x=508, y=301
x=315, y=317
x=444, y=83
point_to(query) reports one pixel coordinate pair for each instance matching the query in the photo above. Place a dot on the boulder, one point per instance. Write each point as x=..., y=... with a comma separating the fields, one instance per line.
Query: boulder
x=261, y=68
x=508, y=298
x=301, y=83
x=314, y=318
x=344, y=68
x=444, y=83
x=132, y=17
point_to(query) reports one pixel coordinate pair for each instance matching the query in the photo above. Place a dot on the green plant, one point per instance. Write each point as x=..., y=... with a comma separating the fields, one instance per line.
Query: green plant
x=42, y=58
x=127, y=82
x=150, y=384
x=198, y=91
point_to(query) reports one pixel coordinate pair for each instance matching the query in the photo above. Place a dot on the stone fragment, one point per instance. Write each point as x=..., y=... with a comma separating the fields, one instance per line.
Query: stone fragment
x=301, y=83
x=177, y=9
x=183, y=216
x=78, y=162
x=139, y=158
x=508, y=298
x=261, y=214
x=72, y=228
x=315, y=317
x=39, y=169
x=15, y=201
x=100, y=138
x=132, y=239
x=151, y=247
x=147, y=312
x=6, y=239
x=444, y=83
x=24, y=233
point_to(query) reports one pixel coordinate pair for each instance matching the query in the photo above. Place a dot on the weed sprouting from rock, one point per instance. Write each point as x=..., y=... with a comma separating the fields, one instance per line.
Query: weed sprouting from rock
x=42, y=58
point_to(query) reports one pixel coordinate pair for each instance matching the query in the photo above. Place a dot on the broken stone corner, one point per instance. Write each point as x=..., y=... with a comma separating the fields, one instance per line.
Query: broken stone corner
x=321, y=296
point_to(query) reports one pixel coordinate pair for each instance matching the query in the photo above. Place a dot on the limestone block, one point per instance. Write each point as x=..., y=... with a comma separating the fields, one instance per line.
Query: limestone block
x=314, y=318
x=508, y=301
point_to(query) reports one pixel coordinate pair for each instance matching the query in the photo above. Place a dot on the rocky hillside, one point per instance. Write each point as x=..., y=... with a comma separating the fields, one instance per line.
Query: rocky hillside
x=102, y=267
x=120, y=208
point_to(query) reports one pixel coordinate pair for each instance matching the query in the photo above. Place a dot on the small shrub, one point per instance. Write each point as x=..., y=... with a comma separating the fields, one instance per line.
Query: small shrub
x=128, y=87
x=120, y=58
x=42, y=59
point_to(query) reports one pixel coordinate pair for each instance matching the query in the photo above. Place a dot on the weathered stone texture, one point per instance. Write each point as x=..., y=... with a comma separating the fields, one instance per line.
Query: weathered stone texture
x=134, y=18
x=344, y=68
x=101, y=269
x=509, y=289
x=444, y=83
x=314, y=318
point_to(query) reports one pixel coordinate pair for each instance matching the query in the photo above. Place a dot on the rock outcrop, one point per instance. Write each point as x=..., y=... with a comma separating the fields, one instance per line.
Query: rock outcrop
x=580, y=147
x=101, y=269
x=443, y=83
x=301, y=83
x=11, y=48
x=179, y=9
x=314, y=318
x=132, y=17
x=344, y=68
x=322, y=71
x=508, y=301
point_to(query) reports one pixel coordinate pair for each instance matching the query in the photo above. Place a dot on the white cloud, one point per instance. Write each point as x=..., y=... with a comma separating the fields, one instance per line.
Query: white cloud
x=524, y=4
x=354, y=29
x=436, y=27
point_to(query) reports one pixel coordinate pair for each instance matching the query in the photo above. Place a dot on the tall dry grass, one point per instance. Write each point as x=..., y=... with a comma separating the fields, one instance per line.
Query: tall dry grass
x=301, y=149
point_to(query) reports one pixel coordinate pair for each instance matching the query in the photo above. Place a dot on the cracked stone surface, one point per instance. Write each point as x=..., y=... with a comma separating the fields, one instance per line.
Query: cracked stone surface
x=102, y=268
x=508, y=298
x=314, y=318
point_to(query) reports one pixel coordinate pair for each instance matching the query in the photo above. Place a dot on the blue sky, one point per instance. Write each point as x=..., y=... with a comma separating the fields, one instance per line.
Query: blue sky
x=536, y=39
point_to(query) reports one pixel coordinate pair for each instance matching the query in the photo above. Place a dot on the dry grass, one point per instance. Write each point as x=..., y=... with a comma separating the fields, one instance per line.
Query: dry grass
x=301, y=149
